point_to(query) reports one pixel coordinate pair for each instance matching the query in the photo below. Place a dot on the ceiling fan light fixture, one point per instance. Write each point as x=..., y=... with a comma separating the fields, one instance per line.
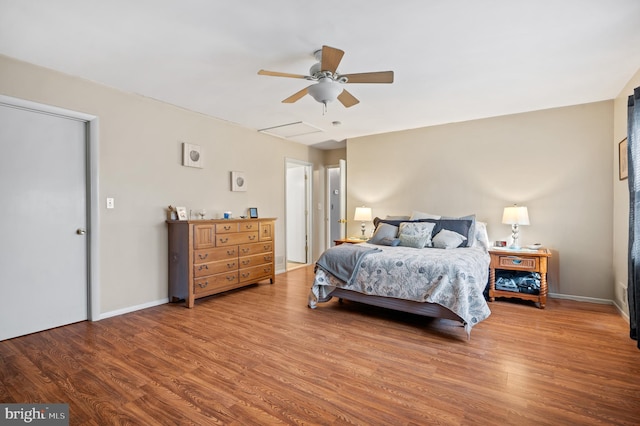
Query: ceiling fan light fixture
x=325, y=90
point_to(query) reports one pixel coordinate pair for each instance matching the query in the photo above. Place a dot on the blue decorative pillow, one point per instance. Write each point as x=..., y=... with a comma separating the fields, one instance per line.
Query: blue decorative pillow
x=383, y=231
x=472, y=228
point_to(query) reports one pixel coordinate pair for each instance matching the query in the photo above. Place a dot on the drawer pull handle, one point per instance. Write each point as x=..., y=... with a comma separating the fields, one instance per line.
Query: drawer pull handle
x=268, y=258
x=231, y=277
x=227, y=227
x=246, y=262
x=245, y=274
x=224, y=240
x=231, y=252
x=203, y=284
x=203, y=257
x=267, y=269
x=203, y=267
x=231, y=265
x=516, y=261
x=267, y=247
x=245, y=250
x=252, y=237
x=248, y=226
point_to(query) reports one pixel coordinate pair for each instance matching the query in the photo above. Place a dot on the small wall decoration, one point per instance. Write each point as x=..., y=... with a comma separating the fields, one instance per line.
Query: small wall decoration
x=253, y=212
x=191, y=155
x=622, y=160
x=238, y=181
x=182, y=213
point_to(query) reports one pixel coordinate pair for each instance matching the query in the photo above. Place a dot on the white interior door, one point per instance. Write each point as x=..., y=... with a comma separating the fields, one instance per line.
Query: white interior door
x=296, y=214
x=43, y=255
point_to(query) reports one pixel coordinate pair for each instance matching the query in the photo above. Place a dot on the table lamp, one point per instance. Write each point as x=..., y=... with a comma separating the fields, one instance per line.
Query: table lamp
x=515, y=216
x=363, y=214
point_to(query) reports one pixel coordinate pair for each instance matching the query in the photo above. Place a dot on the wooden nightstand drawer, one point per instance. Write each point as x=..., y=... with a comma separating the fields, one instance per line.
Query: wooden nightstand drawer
x=518, y=262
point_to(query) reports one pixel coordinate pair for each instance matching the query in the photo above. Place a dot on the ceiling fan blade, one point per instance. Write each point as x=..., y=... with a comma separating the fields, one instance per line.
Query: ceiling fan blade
x=370, y=77
x=296, y=96
x=280, y=74
x=331, y=58
x=347, y=99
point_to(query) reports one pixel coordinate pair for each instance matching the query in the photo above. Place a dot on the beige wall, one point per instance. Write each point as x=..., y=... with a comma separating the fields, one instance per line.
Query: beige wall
x=140, y=166
x=621, y=198
x=557, y=162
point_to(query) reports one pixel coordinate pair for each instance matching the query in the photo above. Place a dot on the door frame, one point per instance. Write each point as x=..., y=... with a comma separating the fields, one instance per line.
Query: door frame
x=342, y=168
x=93, y=217
x=308, y=206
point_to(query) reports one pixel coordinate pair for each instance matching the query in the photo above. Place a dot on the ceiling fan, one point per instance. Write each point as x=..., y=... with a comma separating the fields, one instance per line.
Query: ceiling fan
x=329, y=82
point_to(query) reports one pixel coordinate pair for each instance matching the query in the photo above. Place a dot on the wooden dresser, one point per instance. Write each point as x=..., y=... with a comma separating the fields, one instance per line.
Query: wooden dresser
x=207, y=257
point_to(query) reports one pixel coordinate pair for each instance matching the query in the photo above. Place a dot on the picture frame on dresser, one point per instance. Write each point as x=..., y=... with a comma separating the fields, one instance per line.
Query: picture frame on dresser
x=253, y=212
x=182, y=213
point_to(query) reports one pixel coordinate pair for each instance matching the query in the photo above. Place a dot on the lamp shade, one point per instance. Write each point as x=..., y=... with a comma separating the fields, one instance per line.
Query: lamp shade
x=363, y=214
x=325, y=90
x=515, y=215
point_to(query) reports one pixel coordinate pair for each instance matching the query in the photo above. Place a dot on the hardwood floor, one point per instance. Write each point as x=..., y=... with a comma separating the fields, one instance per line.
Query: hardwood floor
x=260, y=356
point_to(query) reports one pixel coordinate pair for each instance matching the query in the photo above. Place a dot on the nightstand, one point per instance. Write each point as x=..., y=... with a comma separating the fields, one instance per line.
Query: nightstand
x=349, y=240
x=519, y=260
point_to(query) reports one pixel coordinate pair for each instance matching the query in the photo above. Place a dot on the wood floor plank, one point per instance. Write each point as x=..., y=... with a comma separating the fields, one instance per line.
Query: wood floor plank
x=260, y=356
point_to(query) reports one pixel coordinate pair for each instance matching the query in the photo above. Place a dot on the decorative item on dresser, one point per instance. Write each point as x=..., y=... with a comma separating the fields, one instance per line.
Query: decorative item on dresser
x=208, y=257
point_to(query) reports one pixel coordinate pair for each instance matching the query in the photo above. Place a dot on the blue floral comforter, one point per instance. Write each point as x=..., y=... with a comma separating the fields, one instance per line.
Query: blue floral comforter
x=453, y=278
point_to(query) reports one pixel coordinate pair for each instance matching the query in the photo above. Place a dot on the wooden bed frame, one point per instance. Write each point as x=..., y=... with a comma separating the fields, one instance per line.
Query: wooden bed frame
x=420, y=308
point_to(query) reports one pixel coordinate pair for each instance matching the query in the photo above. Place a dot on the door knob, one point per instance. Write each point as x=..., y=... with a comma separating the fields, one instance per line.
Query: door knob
x=81, y=231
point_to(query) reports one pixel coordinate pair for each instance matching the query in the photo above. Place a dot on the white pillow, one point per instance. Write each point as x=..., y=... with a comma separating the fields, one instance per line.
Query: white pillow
x=481, y=238
x=420, y=215
x=448, y=239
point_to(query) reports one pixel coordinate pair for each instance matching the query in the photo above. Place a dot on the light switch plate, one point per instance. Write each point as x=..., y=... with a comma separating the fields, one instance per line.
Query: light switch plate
x=110, y=203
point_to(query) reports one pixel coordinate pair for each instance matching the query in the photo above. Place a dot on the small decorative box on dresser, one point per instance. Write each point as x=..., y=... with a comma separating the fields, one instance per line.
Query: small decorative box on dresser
x=519, y=260
x=207, y=257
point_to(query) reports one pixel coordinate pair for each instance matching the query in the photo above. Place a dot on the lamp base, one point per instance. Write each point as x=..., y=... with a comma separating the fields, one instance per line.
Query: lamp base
x=515, y=233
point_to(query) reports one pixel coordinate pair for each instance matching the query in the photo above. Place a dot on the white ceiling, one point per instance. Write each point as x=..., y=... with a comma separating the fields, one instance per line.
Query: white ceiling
x=453, y=60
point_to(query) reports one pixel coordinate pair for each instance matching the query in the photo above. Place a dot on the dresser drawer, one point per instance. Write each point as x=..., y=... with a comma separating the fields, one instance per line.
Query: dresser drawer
x=249, y=249
x=249, y=226
x=215, y=283
x=204, y=269
x=256, y=273
x=236, y=238
x=518, y=262
x=210, y=255
x=225, y=228
x=256, y=259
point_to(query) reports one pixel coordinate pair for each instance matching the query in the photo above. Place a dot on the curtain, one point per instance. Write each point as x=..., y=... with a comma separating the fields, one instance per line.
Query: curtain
x=633, y=158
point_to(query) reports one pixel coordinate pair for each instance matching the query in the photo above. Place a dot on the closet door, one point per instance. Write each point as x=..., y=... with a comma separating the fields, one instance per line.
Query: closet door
x=43, y=248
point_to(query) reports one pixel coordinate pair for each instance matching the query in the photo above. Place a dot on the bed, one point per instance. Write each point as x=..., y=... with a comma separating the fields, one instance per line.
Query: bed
x=392, y=270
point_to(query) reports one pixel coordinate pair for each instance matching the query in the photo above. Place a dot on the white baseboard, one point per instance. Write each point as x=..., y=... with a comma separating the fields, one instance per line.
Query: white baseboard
x=622, y=313
x=132, y=309
x=581, y=298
